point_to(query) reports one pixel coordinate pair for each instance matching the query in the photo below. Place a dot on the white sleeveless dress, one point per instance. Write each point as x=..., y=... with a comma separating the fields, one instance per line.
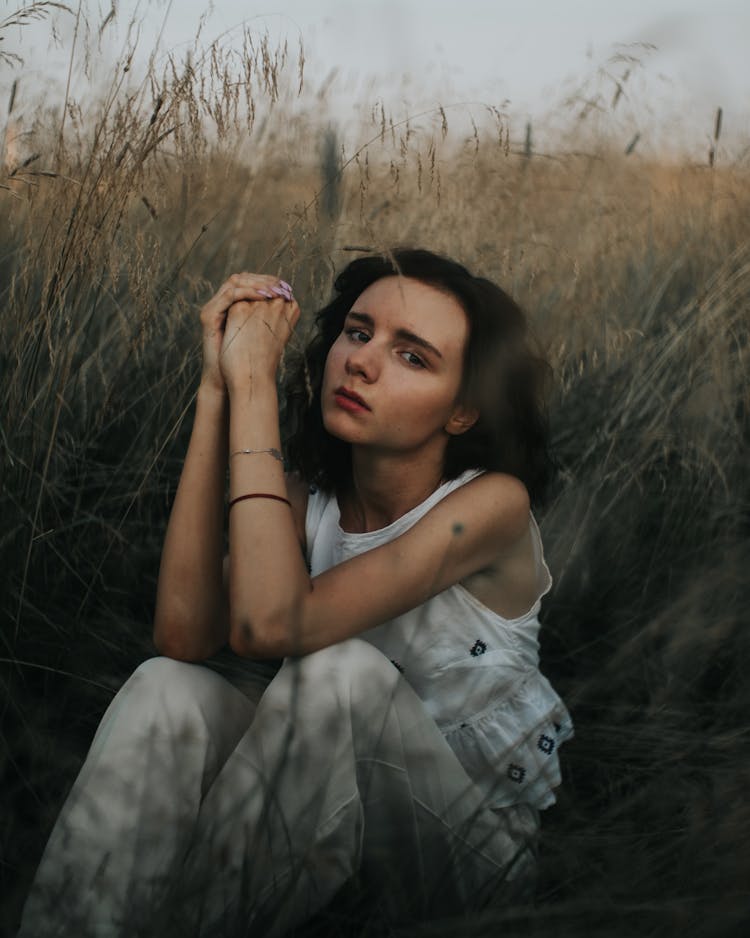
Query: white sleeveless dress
x=476, y=672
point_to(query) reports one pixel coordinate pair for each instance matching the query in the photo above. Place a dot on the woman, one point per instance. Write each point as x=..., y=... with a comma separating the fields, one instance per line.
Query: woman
x=408, y=739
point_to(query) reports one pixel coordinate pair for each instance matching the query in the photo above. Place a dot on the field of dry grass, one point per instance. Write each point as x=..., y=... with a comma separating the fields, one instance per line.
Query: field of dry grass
x=636, y=276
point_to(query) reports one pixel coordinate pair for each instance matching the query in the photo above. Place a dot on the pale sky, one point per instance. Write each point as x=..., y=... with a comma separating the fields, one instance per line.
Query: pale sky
x=530, y=53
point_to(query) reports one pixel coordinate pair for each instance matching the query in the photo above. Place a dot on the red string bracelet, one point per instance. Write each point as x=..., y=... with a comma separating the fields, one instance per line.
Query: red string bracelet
x=278, y=498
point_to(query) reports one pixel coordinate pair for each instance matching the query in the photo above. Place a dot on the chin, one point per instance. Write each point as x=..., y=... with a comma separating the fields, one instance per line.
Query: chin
x=330, y=425
x=336, y=427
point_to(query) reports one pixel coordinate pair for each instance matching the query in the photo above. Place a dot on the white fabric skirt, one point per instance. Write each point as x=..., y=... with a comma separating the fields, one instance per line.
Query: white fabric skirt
x=215, y=805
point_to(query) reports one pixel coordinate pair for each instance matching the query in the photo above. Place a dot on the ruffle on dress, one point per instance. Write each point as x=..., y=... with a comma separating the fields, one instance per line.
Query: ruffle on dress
x=510, y=749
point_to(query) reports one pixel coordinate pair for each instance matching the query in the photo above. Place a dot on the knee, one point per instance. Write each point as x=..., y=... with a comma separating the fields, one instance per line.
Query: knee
x=161, y=670
x=162, y=675
x=162, y=686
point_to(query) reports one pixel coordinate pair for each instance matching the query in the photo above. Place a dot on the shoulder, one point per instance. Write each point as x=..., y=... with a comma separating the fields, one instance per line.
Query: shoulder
x=497, y=502
x=470, y=529
x=507, y=581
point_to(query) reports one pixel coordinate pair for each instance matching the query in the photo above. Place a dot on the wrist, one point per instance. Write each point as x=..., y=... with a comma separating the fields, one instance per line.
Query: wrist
x=211, y=396
x=256, y=387
x=254, y=418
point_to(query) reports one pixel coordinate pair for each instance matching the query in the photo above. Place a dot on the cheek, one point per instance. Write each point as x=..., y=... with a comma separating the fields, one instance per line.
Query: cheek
x=329, y=366
x=425, y=404
x=335, y=358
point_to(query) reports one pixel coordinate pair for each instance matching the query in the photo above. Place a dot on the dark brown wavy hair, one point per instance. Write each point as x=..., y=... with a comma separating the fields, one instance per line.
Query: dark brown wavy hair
x=503, y=377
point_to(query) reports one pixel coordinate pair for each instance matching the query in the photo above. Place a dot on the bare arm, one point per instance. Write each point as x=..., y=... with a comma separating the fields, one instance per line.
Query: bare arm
x=469, y=530
x=267, y=573
x=191, y=616
x=190, y=622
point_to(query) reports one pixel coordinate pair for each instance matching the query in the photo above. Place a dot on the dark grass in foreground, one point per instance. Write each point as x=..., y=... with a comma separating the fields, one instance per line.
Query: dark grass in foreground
x=637, y=277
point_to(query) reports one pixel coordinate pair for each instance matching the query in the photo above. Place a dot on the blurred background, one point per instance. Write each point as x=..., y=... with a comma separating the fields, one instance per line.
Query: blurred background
x=685, y=58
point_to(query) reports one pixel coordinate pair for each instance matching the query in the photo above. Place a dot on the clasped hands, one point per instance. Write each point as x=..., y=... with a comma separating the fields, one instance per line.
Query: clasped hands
x=246, y=326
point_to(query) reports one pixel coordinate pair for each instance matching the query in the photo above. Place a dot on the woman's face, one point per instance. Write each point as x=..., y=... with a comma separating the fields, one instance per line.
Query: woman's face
x=392, y=377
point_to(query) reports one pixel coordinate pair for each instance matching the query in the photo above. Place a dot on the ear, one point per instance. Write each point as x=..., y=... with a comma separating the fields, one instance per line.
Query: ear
x=462, y=419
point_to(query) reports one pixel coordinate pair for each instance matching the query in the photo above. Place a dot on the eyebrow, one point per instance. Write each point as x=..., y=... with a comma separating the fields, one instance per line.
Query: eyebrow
x=367, y=320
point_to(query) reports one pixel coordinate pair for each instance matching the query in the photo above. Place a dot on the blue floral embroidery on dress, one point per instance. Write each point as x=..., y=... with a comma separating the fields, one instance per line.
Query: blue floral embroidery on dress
x=516, y=773
x=478, y=648
x=546, y=743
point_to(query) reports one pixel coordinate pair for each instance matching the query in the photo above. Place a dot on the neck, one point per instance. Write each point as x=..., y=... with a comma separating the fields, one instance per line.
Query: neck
x=384, y=487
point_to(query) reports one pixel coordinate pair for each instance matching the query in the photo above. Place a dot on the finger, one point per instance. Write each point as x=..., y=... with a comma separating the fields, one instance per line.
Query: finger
x=263, y=280
x=290, y=314
x=278, y=316
x=217, y=306
x=228, y=292
x=293, y=313
x=245, y=307
x=281, y=309
x=251, y=292
x=277, y=286
x=218, y=303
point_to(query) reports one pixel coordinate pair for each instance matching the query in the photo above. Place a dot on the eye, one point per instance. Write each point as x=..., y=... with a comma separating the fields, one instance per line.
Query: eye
x=353, y=331
x=413, y=359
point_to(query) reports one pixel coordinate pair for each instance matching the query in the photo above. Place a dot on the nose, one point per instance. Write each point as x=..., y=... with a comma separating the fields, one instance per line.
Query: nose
x=362, y=360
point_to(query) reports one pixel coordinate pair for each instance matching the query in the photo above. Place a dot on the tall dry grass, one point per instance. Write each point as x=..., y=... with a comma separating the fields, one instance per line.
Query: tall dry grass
x=636, y=275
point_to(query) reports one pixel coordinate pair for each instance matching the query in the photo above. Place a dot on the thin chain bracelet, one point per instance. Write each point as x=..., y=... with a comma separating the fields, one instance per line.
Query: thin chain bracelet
x=251, y=452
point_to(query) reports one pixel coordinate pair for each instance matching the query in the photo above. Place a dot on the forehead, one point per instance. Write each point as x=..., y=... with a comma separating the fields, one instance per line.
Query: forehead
x=408, y=304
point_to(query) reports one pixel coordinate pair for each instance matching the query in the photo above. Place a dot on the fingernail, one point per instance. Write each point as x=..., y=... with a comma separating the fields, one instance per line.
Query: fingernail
x=266, y=294
x=285, y=284
x=280, y=291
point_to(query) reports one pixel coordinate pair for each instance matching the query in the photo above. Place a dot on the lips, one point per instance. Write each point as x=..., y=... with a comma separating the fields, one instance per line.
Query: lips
x=348, y=395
